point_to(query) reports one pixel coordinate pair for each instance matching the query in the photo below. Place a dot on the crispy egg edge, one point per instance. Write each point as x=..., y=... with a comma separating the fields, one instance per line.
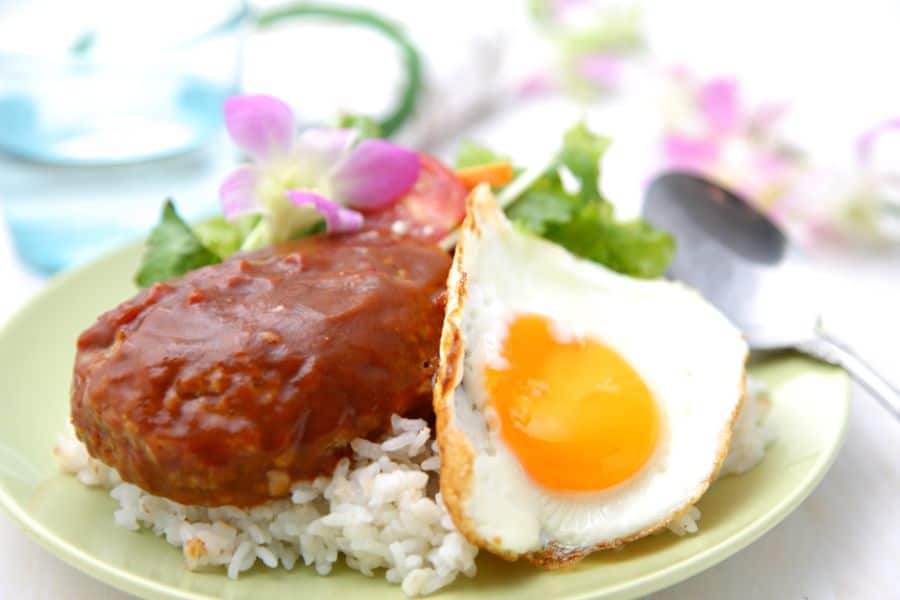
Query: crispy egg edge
x=457, y=452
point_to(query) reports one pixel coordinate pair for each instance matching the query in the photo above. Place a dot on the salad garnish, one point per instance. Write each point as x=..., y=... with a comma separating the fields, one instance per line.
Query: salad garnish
x=172, y=249
x=343, y=179
x=581, y=219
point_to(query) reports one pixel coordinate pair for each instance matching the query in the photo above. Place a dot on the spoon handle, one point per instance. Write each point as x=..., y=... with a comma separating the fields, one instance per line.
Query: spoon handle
x=831, y=350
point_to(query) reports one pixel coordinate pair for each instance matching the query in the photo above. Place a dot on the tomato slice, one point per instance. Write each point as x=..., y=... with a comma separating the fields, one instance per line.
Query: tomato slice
x=434, y=206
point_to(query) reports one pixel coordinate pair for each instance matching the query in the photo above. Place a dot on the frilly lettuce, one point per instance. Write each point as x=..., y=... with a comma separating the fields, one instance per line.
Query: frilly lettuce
x=582, y=220
x=172, y=250
x=562, y=204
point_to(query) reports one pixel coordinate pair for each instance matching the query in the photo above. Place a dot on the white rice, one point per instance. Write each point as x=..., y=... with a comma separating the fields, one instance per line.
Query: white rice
x=752, y=432
x=381, y=509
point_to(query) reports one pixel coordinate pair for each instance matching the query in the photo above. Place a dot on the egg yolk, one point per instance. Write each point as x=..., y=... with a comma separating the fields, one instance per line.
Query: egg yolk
x=576, y=414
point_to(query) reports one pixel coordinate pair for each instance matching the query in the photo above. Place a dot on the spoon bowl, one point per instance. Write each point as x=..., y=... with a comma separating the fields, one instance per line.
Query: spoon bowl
x=747, y=267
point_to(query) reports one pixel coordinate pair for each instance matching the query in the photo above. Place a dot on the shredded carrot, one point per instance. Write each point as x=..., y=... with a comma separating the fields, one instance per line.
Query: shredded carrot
x=495, y=173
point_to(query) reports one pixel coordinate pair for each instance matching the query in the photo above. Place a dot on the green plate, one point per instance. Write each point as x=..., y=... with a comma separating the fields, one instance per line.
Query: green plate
x=36, y=352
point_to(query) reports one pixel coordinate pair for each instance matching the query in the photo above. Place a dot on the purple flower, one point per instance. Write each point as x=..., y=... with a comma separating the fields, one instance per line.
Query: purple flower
x=716, y=134
x=684, y=152
x=295, y=182
x=720, y=106
x=868, y=144
x=604, y=70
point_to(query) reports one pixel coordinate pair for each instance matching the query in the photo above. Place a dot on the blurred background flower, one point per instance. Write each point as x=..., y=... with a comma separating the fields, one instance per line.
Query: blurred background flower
x=685, y=87
x=706, y=125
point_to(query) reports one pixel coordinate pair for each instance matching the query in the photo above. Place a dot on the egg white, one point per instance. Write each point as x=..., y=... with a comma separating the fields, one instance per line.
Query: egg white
x=688, y=354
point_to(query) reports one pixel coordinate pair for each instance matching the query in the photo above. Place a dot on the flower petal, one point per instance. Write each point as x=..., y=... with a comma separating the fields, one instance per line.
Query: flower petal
x=720, y=106
x=867, y=145
x=375, y=174
x=262, y=126
x=765, y=118
x=322, y=149
x=337, y=218
x=237, y=192
x=604, y=70
x=690, y=153
x=537, y=85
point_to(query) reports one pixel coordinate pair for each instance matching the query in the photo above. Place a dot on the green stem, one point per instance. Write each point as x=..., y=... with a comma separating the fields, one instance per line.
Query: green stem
x=411, y=58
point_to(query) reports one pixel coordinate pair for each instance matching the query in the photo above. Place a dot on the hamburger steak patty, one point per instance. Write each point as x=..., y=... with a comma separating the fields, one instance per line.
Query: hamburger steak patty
x=227, y=385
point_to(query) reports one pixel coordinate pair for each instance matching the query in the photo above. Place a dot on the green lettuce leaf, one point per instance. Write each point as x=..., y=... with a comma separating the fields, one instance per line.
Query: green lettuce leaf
x=581, y=153
x=546, y=201
x=367, y=127
x=172, y=250
x=537, y=210
x=632, y=247
x=225, y=237
x=583, y=221
x=472, y=154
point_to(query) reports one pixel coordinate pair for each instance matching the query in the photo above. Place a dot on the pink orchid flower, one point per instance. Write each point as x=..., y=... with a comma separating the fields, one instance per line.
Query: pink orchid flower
x=294, y=182
x=714, y=114
x=717, y=135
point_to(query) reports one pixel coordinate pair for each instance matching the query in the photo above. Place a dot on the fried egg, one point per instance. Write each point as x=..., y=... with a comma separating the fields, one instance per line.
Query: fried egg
x=577, y=409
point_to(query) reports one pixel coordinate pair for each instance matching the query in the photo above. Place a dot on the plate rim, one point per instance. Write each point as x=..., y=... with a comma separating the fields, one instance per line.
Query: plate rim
x=659, y=579
x=717, y=553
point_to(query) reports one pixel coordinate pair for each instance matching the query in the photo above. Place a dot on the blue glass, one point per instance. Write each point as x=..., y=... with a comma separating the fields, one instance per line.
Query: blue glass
x=61, y=216
x=91, y=85
x=113, y=81
x=187, y=112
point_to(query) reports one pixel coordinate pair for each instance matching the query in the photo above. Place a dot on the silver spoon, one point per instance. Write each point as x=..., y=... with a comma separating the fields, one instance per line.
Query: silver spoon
x=742, y=263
